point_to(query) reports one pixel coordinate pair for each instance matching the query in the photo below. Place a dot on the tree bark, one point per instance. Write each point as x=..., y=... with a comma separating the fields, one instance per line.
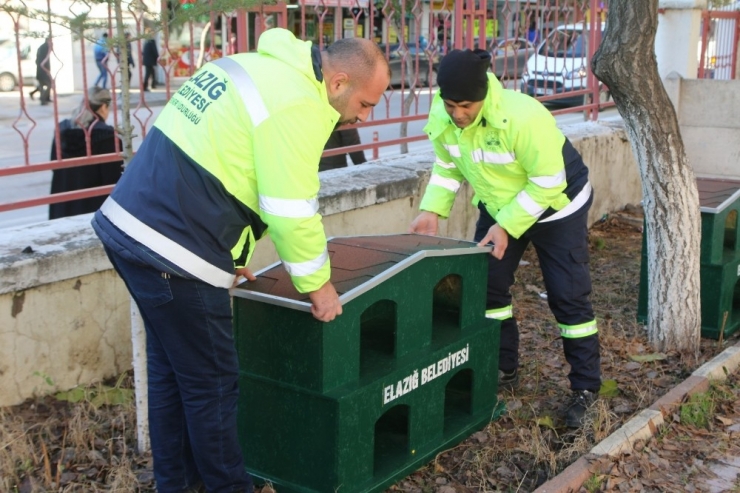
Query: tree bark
x=627, y=64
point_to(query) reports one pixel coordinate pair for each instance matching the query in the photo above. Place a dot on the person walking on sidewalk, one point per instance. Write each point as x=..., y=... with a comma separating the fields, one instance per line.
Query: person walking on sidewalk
x=101, y=60
x=531, y=186
x=149, y=56
x=233, y=155
x=43, y=73
x=129, y=56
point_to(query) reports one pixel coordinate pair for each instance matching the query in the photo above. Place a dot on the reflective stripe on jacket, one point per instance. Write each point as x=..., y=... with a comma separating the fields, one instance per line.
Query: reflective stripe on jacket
x=520, y=165
x=234, y=154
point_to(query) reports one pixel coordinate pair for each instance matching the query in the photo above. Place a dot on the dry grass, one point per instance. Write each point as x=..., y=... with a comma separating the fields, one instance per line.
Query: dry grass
x=49, y=445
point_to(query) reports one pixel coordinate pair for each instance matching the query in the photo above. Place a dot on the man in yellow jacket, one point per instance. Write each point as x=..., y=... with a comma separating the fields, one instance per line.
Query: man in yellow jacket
x=531, y=186
x=232, y=157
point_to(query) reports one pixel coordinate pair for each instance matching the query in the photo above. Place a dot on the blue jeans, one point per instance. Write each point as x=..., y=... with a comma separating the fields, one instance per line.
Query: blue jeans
x=103, y=74
x=193, y=373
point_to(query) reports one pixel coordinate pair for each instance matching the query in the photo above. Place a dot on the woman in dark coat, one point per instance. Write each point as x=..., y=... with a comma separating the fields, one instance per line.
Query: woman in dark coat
x=72, y=137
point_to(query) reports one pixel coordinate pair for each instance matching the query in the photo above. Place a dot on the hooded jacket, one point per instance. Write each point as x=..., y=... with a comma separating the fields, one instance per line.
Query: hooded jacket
x=233, y=155
x=520, y=165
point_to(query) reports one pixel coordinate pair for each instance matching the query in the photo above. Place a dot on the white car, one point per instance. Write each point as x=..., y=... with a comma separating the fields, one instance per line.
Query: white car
x=560, y=64
x=9, y=79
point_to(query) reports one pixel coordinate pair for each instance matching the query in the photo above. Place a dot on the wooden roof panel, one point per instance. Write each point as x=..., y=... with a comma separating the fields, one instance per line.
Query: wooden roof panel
x=356, y=261
x=716, y=194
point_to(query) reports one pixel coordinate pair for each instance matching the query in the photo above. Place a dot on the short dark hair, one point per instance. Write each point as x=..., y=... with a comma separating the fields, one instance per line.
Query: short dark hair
x=356, y=56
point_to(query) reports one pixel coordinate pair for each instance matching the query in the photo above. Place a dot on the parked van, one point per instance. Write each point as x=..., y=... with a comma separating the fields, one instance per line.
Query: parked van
x=560, y=64
x=9, y=78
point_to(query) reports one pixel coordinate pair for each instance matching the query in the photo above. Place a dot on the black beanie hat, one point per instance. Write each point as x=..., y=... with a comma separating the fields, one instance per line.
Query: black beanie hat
x=462, y=75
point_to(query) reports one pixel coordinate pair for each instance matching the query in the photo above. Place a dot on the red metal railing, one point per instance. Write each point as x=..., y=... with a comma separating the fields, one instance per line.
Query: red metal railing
x=720, y=35
x=414, y=35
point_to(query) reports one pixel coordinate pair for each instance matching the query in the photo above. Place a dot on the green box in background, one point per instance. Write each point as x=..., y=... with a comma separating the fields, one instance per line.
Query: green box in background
x=719, y=258
x=409, y=369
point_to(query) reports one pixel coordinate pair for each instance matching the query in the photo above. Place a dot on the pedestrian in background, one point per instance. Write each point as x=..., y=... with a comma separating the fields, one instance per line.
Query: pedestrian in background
x=533, y=36
x=101, y=60
x=531, y=185
x=232, y=46
x=342, y=138
x=43, y=73
x=86, y=122
x=149, y=57
x=233, y=153
x=129, y=56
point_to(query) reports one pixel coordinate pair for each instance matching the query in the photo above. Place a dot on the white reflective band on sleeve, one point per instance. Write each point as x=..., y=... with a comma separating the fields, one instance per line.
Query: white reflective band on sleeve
x=576, y=204
x=294, y=208
x=551, y=181
x=529, y=205
x=453, y=150
x=500, y=313
x=174, y=252
x=448, y=183
x=445, y=165
x=300, y=269
x=479, y=155
x=249, y=93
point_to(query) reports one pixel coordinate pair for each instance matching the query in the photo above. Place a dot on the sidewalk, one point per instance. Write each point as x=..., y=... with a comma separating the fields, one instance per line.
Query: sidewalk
x=648, y=423
x=10, y=104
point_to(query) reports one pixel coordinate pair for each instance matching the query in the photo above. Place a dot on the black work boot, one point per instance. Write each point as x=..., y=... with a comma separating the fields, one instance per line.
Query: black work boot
x=580, y=402
x=508, y=381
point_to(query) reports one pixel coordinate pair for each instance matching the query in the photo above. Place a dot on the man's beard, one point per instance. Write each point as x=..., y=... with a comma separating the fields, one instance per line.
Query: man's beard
x=340, y=104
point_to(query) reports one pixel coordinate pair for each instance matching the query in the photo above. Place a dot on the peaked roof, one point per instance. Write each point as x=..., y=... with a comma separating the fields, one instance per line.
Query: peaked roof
x=717, y=194
x=358, y=263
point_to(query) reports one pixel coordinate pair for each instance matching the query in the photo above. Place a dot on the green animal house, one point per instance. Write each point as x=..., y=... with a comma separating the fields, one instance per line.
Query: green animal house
x=409, y=369
x=719, y=257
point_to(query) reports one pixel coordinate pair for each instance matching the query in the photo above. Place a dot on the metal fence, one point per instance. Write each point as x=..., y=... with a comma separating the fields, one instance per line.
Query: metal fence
x=720, y=34
x=539, y=47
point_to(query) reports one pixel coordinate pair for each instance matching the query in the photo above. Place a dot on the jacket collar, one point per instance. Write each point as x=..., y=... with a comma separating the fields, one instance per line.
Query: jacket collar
x=316, y=63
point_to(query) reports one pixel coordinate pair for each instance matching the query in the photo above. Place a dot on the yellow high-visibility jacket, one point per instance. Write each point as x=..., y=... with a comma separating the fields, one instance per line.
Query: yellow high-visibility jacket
x=519, y=163
x=233, y=155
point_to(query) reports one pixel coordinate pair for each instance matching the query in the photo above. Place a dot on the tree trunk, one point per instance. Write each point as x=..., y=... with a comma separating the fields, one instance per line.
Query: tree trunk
x=126, y=129
x=626, y=63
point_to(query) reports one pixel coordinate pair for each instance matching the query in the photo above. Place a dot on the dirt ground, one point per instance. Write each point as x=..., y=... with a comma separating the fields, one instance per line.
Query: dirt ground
x=49, y=445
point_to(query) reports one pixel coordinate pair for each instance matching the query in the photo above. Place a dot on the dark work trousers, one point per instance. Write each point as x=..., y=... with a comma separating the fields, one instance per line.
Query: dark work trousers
x=562, y=249
x=192, y=378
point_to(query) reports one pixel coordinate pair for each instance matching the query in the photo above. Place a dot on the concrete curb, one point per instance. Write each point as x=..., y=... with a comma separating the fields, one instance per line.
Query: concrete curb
x=647, y=422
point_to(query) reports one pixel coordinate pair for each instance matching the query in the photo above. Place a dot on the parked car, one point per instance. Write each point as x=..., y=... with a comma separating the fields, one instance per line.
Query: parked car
x=560, y=64
x=398, y=57
x=9, y=78
x=510, y=56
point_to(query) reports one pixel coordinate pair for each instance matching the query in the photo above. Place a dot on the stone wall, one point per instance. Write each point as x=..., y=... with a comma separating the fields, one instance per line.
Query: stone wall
x=64, y=314
x=707, y=112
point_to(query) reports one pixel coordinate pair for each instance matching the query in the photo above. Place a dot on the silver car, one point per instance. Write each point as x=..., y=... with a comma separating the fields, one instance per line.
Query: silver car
x=424, y=61
x=509, y=61
x=510, y=56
